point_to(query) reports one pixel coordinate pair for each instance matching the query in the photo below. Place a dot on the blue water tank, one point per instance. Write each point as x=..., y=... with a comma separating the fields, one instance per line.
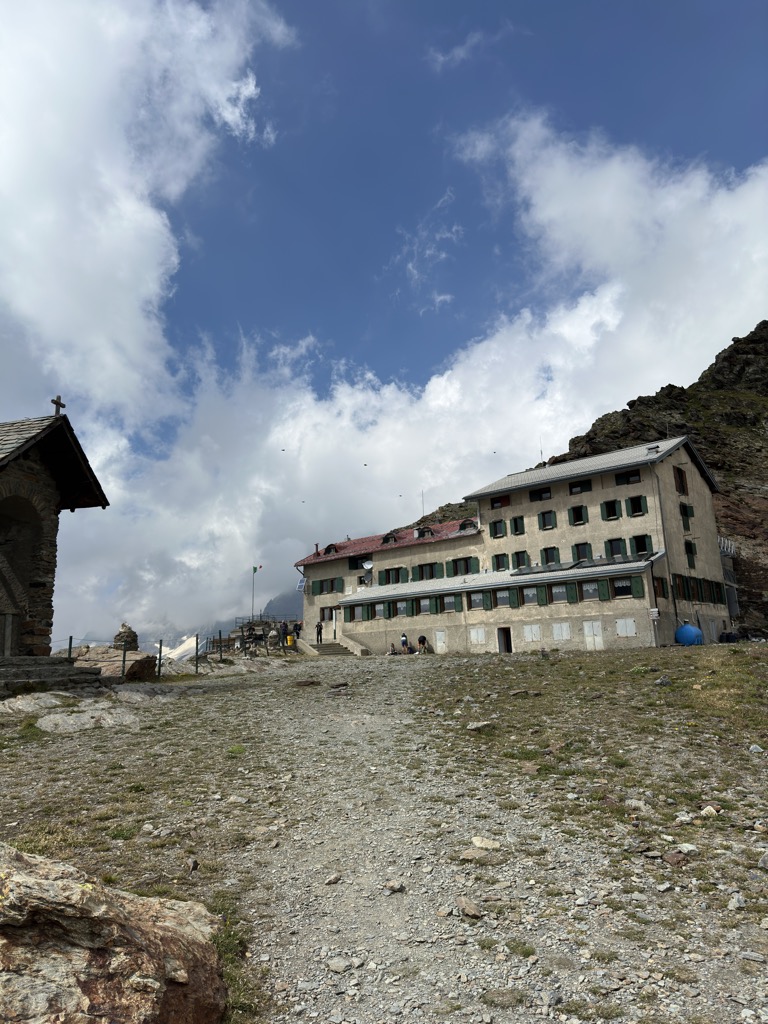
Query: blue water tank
x=688, y=635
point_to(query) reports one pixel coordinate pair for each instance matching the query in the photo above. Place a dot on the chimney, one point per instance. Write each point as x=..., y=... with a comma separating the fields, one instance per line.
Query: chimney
x=317, y=548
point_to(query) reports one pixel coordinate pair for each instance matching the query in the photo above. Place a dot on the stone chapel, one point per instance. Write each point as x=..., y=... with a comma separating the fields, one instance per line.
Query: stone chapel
x=43, y=470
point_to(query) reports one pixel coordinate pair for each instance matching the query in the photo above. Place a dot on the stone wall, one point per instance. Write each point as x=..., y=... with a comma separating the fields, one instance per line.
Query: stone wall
x=29, y=524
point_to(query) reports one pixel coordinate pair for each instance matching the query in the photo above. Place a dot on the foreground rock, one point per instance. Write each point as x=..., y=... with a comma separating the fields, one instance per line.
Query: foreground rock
x=73, y=950
x=139, y=667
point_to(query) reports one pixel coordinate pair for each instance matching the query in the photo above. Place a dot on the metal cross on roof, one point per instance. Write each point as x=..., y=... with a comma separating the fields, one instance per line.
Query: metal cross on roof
x=59, y=405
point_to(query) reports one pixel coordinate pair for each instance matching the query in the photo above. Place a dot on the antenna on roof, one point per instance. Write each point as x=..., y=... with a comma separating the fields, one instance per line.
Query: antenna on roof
x=541, y=449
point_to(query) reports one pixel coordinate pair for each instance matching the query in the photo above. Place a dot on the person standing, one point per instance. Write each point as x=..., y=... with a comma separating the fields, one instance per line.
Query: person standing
x=422, y=645
x=283, y=633
x=319, y=633
x=404, y=643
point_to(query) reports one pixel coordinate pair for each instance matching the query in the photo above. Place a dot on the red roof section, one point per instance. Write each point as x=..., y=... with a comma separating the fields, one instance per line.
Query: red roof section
x=404, y=539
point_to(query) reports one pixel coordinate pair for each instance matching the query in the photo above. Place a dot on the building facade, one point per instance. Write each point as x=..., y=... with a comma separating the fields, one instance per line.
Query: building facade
x=604, y=552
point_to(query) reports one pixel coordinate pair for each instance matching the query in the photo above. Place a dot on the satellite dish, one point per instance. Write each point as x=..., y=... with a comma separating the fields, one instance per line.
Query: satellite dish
x=368, y=564
x=368, y=577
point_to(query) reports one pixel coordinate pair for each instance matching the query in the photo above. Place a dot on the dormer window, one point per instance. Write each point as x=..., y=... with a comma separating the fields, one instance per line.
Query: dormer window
x=467, y=524
x=389, y=538
x=331, y=549
x=425, y=531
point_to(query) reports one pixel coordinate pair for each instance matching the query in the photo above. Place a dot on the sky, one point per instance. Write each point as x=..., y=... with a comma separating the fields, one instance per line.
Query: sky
x=305, y=270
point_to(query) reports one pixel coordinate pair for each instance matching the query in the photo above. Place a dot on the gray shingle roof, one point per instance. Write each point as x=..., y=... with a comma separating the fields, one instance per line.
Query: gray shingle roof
x=17, y=435
x=624, y=458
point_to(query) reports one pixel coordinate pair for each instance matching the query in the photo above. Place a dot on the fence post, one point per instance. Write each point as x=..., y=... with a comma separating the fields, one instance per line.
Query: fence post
x=221, y=653
x=197, y=650
x=159, y=659
x=125, y=648
x=69, y=650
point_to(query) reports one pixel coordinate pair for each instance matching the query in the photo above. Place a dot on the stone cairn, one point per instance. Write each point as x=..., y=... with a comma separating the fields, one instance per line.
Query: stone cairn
x=126, y=636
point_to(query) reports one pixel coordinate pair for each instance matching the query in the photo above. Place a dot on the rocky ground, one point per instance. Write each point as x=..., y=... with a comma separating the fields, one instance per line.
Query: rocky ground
x=421, y=838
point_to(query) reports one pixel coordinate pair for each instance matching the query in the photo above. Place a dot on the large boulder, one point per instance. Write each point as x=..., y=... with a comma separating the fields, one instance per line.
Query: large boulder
x=139, y=667
x=74, y=950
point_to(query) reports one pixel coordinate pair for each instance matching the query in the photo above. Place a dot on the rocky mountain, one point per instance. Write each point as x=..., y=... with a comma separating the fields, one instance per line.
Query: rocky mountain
x=725, y=414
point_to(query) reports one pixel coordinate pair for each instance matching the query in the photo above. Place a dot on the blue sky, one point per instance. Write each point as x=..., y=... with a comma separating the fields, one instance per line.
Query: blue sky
x=292, y=265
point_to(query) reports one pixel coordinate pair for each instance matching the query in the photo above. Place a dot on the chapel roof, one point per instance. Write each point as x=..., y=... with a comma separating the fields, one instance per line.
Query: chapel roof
x=53, y=438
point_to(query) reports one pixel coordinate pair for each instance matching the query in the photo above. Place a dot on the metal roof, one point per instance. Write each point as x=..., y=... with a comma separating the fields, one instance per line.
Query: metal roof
x=399, y=539
x=59, y=449
x=609, y=462
x=594, y=569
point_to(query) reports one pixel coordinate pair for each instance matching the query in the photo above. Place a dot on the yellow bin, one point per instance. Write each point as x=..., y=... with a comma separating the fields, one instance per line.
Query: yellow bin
x=289, y=639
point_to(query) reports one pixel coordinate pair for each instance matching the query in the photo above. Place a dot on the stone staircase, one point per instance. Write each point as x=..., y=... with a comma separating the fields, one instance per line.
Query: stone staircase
x=331, y=647
x=37, y=675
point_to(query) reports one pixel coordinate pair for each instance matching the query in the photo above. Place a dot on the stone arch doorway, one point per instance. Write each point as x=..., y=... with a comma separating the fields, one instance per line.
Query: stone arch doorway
x=21, y=545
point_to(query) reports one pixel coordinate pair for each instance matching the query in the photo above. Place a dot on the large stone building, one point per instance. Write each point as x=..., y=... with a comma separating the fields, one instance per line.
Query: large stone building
x=43, y=470
x=609, y=551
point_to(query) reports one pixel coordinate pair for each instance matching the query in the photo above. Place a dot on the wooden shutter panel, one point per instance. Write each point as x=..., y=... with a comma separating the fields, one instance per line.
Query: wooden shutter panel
x=632, y=546
x=540, y=518
x=339, y=585
x=347, y=614
x=514, y=598
x=608, y=550
x=449, y=569
x=572, y=593
x=416, y=574
x=439, y=571
x=457, y=605
x=474, y=564
x=623, y=546
x=644, y=504
x=366, y=612
x=638, y=587
x=554, y=519
x=387, y=609
x=403, y=575
x=574, y=553
x=433, y=606
x=382, y=577
x=487, y=601
x=541, y=594
x=603, y=512
x=571, y=519
x=410, y=606
x=315, y=588
x=603, y=590
x=557, y=556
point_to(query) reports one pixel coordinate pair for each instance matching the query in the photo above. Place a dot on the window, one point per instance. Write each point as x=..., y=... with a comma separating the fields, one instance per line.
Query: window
x=401, y=608
x=517, y=525
x=589, y=590
x=476, y=599
x=500, y=501
x=547, y=520
x=326, y=614
x=660, y=587
x=615, y=548
x=500, y=562
x=579, y=486
x=581, y=552
x=626, y=627
x=461, y=566
x=540, y=494
x=530, y=595
x=390, y=576
x=631, y=476
x=389, y=538
x=355, y=613
x=561, y=631
x=377, y=611
x=578, y=515
x=498, y=528
x=681, y=480
x=610, y=509
x=467, y=524
x=622, y=587
x=520, y=559
x=550, y=556
x=356, y=562
x=636, y=505
x=641, y=545
x=690, y=554
x=532, y=633
x=558, y=593
x=425, y=531
x=501, y=598
x=330, y=586
x=423, y=605
x=450, y=603
x=686, y=514
x=428, y=571
x=477, y=634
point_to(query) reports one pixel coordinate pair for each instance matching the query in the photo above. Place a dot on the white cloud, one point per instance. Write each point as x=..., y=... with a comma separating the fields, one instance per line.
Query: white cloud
x=474, y=44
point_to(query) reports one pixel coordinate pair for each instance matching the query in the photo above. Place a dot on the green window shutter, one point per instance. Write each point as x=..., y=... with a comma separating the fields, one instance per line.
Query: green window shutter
x=514, y=598
x=542, y=560
x=387, y=609
x=589, y=551
x=554, y=520
x=503, y=526
x=570, y=517
x=644, y=504
x=457, y=603
x=474, y=564
x=628, y=506
x=623, y=547
x=572, y=593
x=439, y=572
x=541, y=594
x=638, y=587
x=574, y=554
x=632, y=546
x=540, y=518
x=449, y=569
x=416, y=574
x=487, y=601
x=586, y=513
x=339, y=585
x=693, y=547
x=603, y=590
x=315, y=588
x=366, y=612
x=347, y=614
x=403, y=575
x=690, y=511
x=433, y=606
x=603, y=513
x=410, y=607
x=382, y=578
x=608, y=550
x=557, y=555
x=664, y=588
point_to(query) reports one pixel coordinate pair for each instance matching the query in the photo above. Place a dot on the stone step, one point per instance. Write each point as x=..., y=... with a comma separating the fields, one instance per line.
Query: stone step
x=36, y=675
x=332, y=647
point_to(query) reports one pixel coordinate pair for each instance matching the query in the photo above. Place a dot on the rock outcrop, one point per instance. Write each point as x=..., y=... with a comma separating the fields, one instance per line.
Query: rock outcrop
x=74, y=950
x=139, y=667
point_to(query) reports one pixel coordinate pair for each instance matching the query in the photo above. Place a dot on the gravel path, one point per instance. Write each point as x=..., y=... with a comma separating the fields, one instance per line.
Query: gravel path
x=387, y=881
